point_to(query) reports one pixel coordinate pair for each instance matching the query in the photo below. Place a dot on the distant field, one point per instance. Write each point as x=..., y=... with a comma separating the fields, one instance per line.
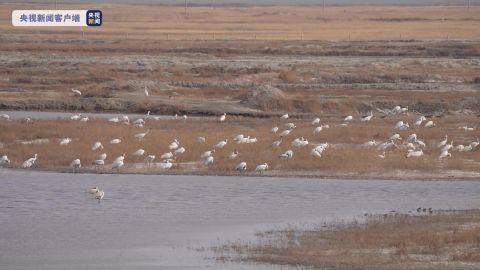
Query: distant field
x=265, y=23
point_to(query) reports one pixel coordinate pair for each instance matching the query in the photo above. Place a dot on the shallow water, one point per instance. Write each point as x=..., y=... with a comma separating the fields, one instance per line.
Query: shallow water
x=49, y=221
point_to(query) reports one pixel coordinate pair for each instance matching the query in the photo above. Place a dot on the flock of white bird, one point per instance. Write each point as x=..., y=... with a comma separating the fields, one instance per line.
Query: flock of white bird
x=413, y=145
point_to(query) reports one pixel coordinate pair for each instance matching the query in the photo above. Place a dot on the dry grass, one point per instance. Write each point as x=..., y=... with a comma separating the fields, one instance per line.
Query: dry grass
x=444, y=240
x=345, y=156
x=267, y=23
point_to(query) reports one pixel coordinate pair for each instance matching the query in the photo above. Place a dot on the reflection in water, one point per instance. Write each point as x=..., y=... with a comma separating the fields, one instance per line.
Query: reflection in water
x=49, y=221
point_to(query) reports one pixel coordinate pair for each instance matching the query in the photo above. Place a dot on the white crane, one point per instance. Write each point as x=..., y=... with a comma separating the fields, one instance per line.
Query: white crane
x=242, y=166
x=84, y=119
x=117, y=164
x=207, y=154
x=233, y=155
x=367, y=118
x=290, y=125
x=76, y=117
x=149, y=159
x=97, y=145
x=419, y=121
x=165, y=165
x=76, y=92
x=287, y=154
x=221, y=144
x=201, y=139
x=298, y=142
x=261, y=168
x=413, y=153
x=370, y=143
x=444, y=154
x=274, y=130
x=102, y=156
x=429, y=124
x=317, y=130
x=412, y=137
x=65, y=141
x=116, y=141
x=285, y=116
x=316, y=153
x=140, y=136
x=349, y=118
x=99, y=195
x=167, y=155
x=382, y=155
x=29, y=162
x=285, y=133
x=139, y=152
x=5, y=116
x=277, y=143
x=208, y=160
x=114, y=120
x=145, y=91
x=4, y=160
x=180, y=151
x=98, y=162
x=222, y=117
x=316, y=121
x=75, y=164
x=395, y=137
x=174, y=145
x=93, y=190
x=443, y=143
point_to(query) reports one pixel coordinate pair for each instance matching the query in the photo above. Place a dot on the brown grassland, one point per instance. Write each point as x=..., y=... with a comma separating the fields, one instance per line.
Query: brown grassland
x=345, y=157
x=442, y=240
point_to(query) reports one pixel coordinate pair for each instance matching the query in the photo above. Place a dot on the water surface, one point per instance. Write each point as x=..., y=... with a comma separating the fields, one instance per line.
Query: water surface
x=49, y=221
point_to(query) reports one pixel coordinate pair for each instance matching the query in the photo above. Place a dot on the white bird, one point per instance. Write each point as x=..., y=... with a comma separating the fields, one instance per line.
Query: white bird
x=76, y=92
x=447, y=147
x=429, y=124
x=444, y=154
x=443, y=143
x=475, y=144
x=395, y=137
x=116, y=141
x=201, y=139
x=316, y=121
x=93, y=190
x=140, y=136
x=285, y=116
x=386, y=145
x=222, y=117
x=300, y=142
x=277, y=143
x=165, y=165
x=413, y=153
x=285, y=133
x=207, y=154
x=139, y=152
x=184, y=117
x=114, y=120
x=233, y=155
x=412, y=137
x=166, y=155
x=317, y=130
x=97, y=145
x=290, y=125
x=221, y=144
x=209, y=160
x=179, y=151
x=239, y=138
x=117, y=163
x=242, y=166
x=84, y=119
x=65, y=141
x=274, y=130
x=29, y=162
x=370, y=143
x=99, y=195
x=382, y=156
x=287, y=154
x=75, y=164
x=102, y=156
x=145, y=91
x=459, y=148
x=367, y=118
x=5, y=116
x=99, y=162
x=4, y=160
x=348, y=119
x=174, y=145
x=261, y=168
x=421, y=143
x=139, y=121
x=315, y=153
x=321, y=147
x=75, y=116
x=149, y=159
x=126, y=119
x=420, y=120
